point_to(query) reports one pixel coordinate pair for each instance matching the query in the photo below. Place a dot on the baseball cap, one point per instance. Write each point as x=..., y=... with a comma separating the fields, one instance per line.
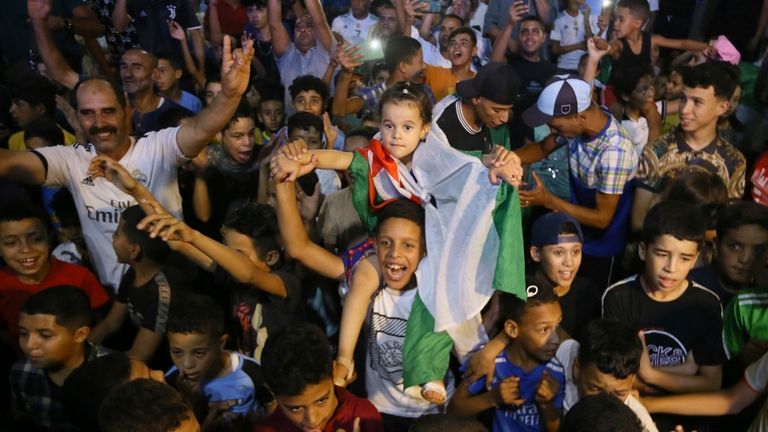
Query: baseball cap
x=546, y=228
x=564, y=95
x=498, y=82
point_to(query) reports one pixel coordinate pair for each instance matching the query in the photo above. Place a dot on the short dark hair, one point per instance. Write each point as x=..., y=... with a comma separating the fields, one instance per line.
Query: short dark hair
x=708, y=75
x=174, y=60
x=116, y=88
x=305, y=121
x=46, y=129
x=69, y=305
x=400, y=49
x=401, y=209
x=536, y=19
x=739, y=214
x=258, y=222
x=309, y=83
x=638, y=8
x=196, y=314
x=269, y=90
x=243, y=111
x=36, y=90
x=87, y=387
x=143, y=405
x=295, y=357
x=20, y=209
x=612, y=346
x=600, y=413
x=464, y=30
x=730, y=71
x=704, y=190
x=627, y=80
x=408, y=92
x=154, y=249
x=445, y=422
x=173, y=117
x=363, y=132
x=456, y=17
x=261, y=4
x=680, y=220
x=513, y=307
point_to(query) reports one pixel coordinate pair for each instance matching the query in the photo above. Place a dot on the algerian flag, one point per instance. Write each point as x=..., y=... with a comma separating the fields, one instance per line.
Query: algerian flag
x=473, y=228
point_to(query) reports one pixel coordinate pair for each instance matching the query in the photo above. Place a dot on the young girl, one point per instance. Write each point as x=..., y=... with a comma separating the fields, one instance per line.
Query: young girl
x=384, y=166
x=640, y=113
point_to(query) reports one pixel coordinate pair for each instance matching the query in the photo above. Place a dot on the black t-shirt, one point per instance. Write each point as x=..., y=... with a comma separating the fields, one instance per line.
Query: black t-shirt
x=254, y=313
x=693, y=321
x=150, y=17
x=150, y=121
x=533, y=79
x=230, y=184
x=580, y=306
x=459, y=135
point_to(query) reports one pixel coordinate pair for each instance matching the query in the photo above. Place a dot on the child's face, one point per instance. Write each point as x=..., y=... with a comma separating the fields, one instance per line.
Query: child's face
x=46, y=343
x=399, y=250
x=381, y=76
x=667, y=262
x=308, y=101
x=590, y=381
x=531, y=37
x=643, y=93
x=700, y=108
x=674, y=86
x=311, y=136
x=257, y=16
x=165, y=76
x=23, y=113
x=741, y=254
x=122, y=246
x=272, y=115
x=313, y=408
x=237, y=140
x=244, y=244
x=211, y=90
x=537, y=331
x=625, y=23
x=461, y=49
x=402, y=129
x=559, y=262
x=24, y=247
x=413, y=71
x=194, y=354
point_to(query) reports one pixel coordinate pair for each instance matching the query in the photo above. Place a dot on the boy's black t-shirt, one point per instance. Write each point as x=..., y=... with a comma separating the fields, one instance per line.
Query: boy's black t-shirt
x=230, y=184
x=254, y=313
x=459, y=135
x=533, y=78
x=693, y=321
x=580, y=306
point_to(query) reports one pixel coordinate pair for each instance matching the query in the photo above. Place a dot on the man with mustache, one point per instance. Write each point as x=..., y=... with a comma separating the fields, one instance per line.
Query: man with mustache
x=151, y=159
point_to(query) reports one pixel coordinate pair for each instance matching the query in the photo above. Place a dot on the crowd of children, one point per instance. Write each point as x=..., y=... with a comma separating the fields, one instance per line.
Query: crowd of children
x=447, y=216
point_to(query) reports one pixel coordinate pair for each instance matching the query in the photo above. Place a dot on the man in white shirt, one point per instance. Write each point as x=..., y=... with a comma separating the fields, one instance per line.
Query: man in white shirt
x=355, y=25
x=151, y=159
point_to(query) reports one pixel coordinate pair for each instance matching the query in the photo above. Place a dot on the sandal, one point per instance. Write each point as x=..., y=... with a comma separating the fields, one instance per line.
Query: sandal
x=438, y=393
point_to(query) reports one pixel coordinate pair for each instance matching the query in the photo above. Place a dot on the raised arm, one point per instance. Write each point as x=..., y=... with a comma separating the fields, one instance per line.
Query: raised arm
x=214, y=25
x=120, y=17
x=678, y=44
x=343, y=104
x=198, y=44
x=57, y=66
x=296, y=240
x=177, y=32
x=84, y=22
x=281, y=40
x=515, y=14
x=200, y=129
x=322, y=29
x=22, y=166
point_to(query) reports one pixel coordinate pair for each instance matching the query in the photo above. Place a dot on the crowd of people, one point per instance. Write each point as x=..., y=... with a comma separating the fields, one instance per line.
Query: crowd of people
x=387, y=215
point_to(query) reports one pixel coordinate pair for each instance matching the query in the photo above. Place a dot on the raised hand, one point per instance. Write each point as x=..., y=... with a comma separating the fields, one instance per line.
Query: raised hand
x=508, y=392
x=517, y=11
x=481, y=364
x=349, y=57
x=108, y=168
x=547, y=389
x=235, y=68
x=294, y=150
x=38, y=9
x=597, y=47
x=283, y=169
x=177, y=32
x=330, y=131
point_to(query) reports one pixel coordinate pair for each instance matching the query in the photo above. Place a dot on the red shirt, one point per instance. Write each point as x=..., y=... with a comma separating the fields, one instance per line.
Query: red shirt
x=350, y=407
x=231, y=20
x=13, y=293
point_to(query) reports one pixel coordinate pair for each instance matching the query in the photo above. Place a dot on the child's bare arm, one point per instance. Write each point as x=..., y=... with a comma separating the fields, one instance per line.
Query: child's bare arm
x=465, y=404
x=201, y=199
x=593, y=61
x=721, y=402
x=110, y=324
x=708, y=378
x=365, y=281
x=108, y=168
x=145, y=344
x=294, y=160
x=613, y=48
x=678, y=44
x=295, y=239
x=483, y=362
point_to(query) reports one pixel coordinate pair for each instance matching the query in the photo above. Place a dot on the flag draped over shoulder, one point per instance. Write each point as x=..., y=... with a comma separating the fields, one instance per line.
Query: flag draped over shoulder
x=473, y=228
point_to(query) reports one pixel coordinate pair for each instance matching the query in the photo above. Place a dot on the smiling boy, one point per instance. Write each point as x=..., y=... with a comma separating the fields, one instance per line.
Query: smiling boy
x=678, y=317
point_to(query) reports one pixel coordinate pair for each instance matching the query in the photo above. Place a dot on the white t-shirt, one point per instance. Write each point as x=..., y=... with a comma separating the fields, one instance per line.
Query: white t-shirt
x=352, y=29
x=152, y=160
x=384, y=365
x=433, y=56
x=567, y=354
x=638, y=130
x=569, y=30
x=756, y=376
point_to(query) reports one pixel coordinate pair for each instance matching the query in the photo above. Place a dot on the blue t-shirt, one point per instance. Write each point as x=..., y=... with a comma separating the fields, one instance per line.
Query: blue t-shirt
x=523, y=418
x=244, y=385
x=190, y=102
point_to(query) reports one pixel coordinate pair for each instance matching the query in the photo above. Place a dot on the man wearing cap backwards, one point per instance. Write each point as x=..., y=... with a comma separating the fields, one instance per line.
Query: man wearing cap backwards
x=602, y=161
x=472, y=118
